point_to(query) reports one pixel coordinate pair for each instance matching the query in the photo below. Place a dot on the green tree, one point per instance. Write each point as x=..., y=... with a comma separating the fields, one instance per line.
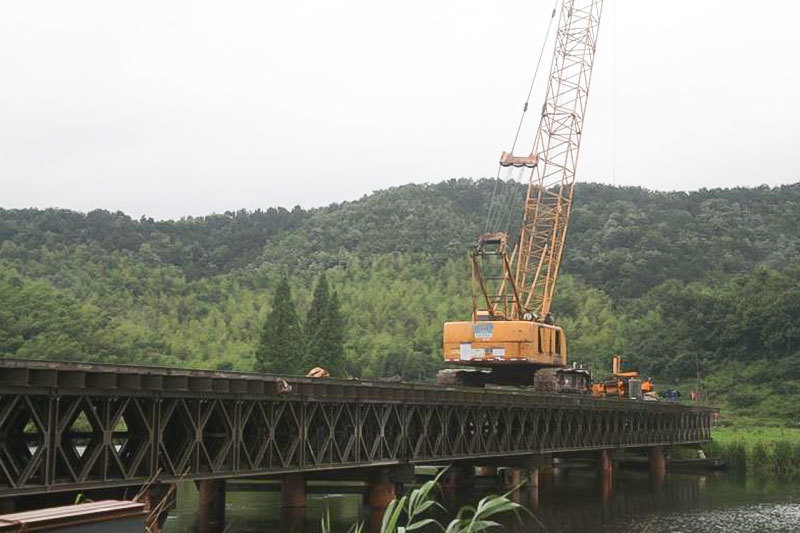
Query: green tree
x=325, y=329
x=280, y=348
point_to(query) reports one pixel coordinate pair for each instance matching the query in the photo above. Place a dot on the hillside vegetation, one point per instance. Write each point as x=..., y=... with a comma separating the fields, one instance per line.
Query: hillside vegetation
x=676, y=282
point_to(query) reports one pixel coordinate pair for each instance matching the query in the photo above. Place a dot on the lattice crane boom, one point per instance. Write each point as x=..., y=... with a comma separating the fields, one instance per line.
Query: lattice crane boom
x=511, y=337
x=548, y=201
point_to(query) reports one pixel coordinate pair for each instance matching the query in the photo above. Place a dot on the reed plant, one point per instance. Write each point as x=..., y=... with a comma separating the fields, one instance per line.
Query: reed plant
x=759, y=458
x=406, y=513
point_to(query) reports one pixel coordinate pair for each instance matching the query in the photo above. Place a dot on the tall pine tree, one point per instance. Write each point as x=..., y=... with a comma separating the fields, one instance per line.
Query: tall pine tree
x=281, y=347
x=325, y=330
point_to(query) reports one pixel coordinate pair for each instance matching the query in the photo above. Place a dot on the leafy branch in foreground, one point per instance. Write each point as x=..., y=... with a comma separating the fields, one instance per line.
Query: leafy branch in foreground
x=468, y=519
x=476, y=519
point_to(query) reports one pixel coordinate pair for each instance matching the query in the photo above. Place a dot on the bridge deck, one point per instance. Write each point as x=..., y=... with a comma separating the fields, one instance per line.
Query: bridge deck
x=76, y=426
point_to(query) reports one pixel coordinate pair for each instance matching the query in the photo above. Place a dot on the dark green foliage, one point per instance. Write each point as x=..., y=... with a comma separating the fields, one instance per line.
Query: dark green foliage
x=325, y=330
x=733, y=454
x=675, y=282
x=759, y=460
x=199, y=246
x=785, y=460
x=281, y=347
x=39, y=321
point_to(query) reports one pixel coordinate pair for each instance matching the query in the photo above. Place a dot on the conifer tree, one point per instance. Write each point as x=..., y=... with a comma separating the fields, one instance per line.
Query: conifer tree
x=280, y=349
x=325, y=330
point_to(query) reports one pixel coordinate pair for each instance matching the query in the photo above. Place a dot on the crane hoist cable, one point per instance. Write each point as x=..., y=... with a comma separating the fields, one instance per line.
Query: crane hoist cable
x=502, y=214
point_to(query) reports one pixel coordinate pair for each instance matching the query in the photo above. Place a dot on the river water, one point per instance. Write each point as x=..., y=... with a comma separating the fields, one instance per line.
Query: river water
x=575, y=502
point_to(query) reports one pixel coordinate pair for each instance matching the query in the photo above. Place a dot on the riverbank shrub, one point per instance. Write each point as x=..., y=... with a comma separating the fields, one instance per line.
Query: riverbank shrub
x=759, y=458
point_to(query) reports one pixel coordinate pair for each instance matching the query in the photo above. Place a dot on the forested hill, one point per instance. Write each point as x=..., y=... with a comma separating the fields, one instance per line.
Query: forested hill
x=622, y=239
x=675, y=281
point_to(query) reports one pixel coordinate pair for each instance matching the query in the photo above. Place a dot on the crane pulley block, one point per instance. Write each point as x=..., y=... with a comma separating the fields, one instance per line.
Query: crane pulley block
x=510, y=160
x=492, y=243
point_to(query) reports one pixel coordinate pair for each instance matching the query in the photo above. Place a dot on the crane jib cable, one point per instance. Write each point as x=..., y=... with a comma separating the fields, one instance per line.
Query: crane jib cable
x=505, y=210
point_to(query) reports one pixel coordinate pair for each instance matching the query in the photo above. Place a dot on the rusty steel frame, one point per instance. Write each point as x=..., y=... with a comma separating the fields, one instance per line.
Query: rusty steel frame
x=66, y=427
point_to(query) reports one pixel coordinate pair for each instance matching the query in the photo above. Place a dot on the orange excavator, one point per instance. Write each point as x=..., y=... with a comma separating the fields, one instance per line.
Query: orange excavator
x=512, y=337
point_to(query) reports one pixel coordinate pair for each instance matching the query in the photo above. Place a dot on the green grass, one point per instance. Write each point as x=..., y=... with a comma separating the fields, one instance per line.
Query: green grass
x=757, y=450
x=751, y=435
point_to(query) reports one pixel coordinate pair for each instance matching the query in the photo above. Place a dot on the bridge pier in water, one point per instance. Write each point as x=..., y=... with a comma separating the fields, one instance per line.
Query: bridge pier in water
x=533, y=488
x=605, y=465
x=458, y=477
x=211, y=501
x=293, y=491
x=381, y=489
x=658, y=464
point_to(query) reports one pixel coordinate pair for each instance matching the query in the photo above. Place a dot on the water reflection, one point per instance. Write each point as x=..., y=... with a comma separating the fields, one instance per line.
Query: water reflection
x=574, y=502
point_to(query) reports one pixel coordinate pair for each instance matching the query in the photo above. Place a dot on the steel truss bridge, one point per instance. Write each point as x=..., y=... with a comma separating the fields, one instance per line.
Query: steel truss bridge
x=74, y=426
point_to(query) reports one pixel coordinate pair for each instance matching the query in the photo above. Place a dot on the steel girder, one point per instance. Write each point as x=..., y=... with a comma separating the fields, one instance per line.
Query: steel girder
x=81, y=437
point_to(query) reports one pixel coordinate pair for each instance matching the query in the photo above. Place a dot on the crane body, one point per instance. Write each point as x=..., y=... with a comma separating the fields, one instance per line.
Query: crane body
x=512, y=334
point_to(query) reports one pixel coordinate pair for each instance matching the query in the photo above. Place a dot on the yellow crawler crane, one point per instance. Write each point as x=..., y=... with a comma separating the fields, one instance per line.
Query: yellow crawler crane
x=512, y=334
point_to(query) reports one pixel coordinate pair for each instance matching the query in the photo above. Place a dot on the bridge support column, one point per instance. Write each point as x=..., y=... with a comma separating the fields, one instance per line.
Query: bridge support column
x=293, y=491
x=293, y=518
x=381, y=489
x=513, y=477
x=211, y=504
x=658, y=464
x=458, y=477
x=546, y=477
x=533, y=487
x=605, y=466
x=487, y=473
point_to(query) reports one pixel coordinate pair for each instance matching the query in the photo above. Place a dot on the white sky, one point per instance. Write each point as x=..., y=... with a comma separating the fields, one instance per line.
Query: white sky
x=171, y=108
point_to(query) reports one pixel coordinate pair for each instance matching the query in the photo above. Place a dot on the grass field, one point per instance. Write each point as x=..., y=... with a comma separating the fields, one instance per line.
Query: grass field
x=753, y=434
x=759, y=450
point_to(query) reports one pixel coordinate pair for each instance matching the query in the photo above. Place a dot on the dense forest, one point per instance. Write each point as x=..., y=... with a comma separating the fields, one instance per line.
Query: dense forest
x=679, y=283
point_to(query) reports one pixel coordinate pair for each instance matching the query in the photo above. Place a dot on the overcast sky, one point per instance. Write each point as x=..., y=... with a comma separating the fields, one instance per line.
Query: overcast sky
x=172, y=108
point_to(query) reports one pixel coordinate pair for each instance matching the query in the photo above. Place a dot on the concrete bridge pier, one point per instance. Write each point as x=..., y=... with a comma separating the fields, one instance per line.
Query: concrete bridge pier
x=293, y=491
x=486, y=472
x=381, y=489
x=211, y=505
x=605, y=466
x=293, y=502
x=513, y=478
x=383, y=486
x=525, y=471
x=293, y=518
x=544, y=478
x=658, y=465
x=458, y=477
x=533, y=487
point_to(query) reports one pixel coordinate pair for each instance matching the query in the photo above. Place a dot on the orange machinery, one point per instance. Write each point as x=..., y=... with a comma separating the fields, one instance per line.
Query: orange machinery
x=625, y=384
